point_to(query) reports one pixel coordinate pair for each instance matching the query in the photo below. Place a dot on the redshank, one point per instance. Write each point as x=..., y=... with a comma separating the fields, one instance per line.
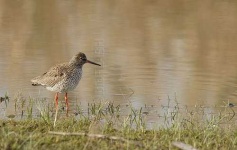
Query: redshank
x=62, y=78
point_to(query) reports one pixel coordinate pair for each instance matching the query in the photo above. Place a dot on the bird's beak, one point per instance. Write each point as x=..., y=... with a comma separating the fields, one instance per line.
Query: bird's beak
x=87, y=61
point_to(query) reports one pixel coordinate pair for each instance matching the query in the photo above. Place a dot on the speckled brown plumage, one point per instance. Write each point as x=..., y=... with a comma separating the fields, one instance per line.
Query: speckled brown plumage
x=60, y=78
x=63, y=77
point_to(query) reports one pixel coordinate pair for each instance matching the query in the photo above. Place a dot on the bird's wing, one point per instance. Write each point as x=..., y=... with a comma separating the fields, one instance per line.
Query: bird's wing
x=51, y=77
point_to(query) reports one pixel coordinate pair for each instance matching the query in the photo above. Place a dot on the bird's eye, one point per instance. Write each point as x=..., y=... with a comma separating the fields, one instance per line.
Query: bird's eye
x=81, y=58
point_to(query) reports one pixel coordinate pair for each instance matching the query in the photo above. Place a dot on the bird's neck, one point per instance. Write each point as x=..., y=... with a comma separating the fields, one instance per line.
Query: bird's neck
x=76, y=65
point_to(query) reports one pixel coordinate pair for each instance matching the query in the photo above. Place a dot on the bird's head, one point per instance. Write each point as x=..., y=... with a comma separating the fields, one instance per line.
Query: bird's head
x=80, y=59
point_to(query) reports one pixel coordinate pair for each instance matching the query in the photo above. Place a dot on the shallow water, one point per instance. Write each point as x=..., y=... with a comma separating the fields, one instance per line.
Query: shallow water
x=149, y=50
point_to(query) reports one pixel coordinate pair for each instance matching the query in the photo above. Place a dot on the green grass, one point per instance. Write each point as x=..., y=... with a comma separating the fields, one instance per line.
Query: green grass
x=103, y=127
x=31, y=134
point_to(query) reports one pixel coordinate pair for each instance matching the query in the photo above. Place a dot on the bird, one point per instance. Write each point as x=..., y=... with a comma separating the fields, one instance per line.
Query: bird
x=63, y=78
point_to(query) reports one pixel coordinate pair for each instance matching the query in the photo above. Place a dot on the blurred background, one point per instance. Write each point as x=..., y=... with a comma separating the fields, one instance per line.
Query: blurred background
x=149, y=50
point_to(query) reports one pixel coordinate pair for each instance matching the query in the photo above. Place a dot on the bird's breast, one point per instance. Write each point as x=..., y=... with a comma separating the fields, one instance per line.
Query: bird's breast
x=69, y=82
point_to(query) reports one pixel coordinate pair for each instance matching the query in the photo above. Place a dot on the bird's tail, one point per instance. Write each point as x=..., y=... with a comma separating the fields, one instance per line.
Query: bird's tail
x=35, y=84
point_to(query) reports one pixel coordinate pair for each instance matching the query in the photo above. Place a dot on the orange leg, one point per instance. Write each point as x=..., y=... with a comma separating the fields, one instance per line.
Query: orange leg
x=67, y=106
x=56, y=106
x=56, y=101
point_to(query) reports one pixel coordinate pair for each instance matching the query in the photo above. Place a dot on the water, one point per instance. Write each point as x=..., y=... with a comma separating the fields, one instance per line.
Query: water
x=149, y=50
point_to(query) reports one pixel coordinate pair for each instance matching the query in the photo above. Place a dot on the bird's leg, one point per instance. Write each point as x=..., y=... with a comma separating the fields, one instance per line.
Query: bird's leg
x=56, y=106
x=67, y=106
